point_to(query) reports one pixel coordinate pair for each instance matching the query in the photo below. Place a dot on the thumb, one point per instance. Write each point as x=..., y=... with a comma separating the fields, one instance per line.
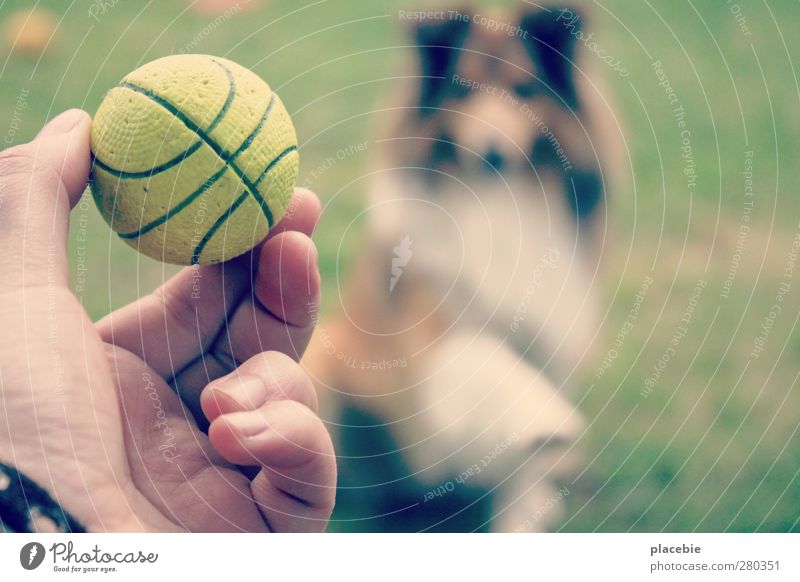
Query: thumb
x=39, y=182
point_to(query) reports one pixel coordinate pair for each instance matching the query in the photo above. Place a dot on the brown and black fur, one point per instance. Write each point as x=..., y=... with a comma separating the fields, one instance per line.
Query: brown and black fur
x=395, y=440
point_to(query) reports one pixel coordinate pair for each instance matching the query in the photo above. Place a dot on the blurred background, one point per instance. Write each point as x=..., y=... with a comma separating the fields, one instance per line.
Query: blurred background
x=704, y=442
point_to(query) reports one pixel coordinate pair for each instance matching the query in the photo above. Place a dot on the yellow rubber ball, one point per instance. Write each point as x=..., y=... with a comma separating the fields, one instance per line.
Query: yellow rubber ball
x=194, y=159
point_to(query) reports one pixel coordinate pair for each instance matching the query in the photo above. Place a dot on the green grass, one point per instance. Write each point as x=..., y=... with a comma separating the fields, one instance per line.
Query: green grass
x=714, y=447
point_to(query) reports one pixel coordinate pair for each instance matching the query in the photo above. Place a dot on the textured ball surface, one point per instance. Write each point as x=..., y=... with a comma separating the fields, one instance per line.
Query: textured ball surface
x=195, y=159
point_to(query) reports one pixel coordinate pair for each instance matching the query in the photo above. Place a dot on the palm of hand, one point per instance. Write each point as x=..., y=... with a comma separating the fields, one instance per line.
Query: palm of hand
x=106, y=415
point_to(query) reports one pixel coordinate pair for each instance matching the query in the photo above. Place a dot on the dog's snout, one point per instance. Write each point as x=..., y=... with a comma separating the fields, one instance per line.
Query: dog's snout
x=494, y=159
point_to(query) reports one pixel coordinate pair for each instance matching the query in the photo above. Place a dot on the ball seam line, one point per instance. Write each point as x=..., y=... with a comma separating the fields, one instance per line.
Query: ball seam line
x=185, y=154
x=216, y=226
x=223, y=155
x=176, y=209
x=208, y=183
x=224, y=217
x=152, y=171
x=274, y=162
x=228, y=99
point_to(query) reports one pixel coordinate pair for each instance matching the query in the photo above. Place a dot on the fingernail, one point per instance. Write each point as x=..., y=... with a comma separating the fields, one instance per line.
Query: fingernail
x=249, y=392
x=250, y=423
x=63, y=123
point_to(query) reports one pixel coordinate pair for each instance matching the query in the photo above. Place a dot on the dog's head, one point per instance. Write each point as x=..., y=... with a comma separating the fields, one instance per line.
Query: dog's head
x=493, y=158
x=499, y=94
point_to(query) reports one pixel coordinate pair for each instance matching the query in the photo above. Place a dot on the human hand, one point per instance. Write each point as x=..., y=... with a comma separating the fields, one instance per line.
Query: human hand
x=91, y=412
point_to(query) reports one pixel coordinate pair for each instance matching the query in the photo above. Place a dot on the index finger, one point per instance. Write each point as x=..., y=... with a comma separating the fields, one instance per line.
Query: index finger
x=171, y=327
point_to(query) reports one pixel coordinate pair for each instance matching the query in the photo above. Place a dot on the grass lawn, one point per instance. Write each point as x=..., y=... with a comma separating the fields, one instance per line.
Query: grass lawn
x=706, y=440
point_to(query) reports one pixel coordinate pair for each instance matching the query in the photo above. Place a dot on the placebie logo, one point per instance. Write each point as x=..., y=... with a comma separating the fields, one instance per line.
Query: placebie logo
x=31, y=555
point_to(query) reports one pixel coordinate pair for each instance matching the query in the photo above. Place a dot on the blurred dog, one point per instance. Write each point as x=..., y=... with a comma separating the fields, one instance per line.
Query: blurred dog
x=446, y=374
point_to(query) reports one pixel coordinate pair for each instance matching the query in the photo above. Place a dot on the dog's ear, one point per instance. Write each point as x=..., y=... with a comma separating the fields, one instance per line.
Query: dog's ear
x=439, y=43
x=550, y=38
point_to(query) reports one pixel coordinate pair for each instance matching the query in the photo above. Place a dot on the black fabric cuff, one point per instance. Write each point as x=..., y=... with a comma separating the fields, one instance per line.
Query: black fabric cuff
x=25, y=506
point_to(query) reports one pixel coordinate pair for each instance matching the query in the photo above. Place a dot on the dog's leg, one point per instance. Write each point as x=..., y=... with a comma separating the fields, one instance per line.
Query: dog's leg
x=487, y=417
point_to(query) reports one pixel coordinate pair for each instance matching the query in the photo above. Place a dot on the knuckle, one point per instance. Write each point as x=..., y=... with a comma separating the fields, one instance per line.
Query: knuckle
x=16, y=160
x=25, y=160
x=180, y=312
x=292, y=381
x=309, y=433
x=23, y=167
